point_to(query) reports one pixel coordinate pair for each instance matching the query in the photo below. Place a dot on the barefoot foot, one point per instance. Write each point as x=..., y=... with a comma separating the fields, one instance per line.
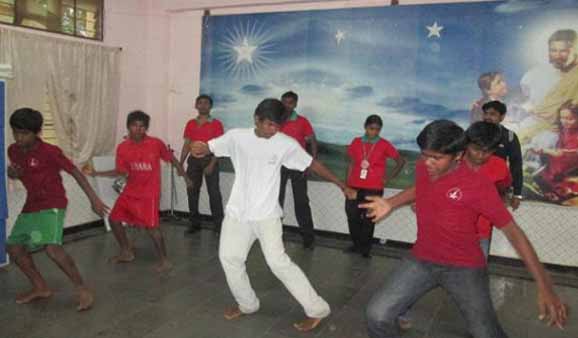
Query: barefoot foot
x=233, y=313
x=163, y=266
x=307, y=324
x=32, y=295
x=85, y=299
x=124, y=257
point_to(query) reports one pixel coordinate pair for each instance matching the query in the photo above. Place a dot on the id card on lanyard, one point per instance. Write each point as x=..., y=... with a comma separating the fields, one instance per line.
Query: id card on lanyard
x=365, y=162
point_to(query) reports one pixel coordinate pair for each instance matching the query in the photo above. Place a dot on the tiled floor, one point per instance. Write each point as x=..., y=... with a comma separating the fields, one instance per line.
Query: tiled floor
x=133, y=301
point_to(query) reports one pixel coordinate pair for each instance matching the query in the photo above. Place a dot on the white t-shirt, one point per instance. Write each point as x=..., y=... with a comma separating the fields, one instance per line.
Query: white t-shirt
x=257, y=162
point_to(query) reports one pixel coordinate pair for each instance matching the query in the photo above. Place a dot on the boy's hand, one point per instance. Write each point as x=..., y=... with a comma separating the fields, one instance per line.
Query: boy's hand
x=199, y=149
x=88, y=170
x=515, y=203
x=14, y=171
x=377, y=208
x=552, y=309
x=209, y=168
x=349, y=193
x=99, y=207
x=188, y=182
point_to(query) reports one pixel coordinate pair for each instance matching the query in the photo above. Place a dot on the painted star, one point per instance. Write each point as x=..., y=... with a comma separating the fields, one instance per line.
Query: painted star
x=244, y=52
x=339, y=36
x=434, y=30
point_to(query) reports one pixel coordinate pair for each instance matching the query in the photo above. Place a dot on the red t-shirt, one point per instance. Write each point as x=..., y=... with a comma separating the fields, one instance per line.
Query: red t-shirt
x=204, y=132
x=41, y=168
x=498, y=172
x=377, y=155
x=298, y=128
x=447, y=212
x=141, y=161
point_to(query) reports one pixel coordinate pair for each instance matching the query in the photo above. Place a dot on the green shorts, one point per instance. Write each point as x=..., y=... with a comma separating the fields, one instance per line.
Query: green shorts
x=36, y=229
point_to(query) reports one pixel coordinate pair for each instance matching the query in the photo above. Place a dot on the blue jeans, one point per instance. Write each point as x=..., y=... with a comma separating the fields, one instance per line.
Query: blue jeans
x=413, y=278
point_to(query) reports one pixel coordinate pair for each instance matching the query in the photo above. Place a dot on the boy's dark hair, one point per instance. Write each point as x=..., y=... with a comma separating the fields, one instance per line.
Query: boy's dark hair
x=271, y=109
x=27, y=119
x=485, y=81
x=290, y=95
x=485, y=135
x=570, y=106
x=497, y=105
x=442, y=136
x=204, y=97
x=138, y=115
x=373, y=119
x=566, y=35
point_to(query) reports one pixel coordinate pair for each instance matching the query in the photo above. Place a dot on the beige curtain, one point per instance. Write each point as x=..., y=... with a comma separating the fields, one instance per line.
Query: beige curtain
x=83, y=87
x=27, y=87
x=82, y=82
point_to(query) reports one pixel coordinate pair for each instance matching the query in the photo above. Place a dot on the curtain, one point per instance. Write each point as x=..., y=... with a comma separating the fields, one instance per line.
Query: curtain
x=82, y=81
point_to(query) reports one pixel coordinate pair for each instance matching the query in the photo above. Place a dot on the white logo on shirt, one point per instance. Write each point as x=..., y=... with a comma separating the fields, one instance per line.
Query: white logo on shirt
x=141, y=166
x=33, y=162
x=455, y=194
x=272, y=160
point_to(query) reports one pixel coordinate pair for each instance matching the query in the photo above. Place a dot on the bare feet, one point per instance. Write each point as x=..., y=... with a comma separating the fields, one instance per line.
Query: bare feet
x=163, y=266
x=125, y=256
x=233, y=313
x=307, y=324
x=85, y=299
x=404, y=324
x=32, y=295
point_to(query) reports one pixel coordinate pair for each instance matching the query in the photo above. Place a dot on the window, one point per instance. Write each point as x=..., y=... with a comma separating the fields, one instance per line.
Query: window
x=81, y=18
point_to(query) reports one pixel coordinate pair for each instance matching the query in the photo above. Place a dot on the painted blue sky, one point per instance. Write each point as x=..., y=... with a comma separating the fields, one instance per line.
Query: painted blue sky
x=350, y=63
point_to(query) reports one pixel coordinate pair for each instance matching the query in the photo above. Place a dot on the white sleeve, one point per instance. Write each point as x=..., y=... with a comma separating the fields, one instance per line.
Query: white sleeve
x=221, y=146
x=296, y=157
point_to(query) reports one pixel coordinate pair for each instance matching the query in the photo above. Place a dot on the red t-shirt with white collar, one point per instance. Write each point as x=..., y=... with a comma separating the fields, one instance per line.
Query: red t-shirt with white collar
x=447, y=211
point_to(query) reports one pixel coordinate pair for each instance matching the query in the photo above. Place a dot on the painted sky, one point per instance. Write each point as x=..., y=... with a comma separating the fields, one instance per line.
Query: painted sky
x=409, y=64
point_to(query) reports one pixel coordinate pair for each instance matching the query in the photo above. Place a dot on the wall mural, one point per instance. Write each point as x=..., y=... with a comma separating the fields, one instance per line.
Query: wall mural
x=410, y=65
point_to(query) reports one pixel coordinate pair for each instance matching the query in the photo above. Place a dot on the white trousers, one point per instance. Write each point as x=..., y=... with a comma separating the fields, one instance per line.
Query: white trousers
x=236, y=241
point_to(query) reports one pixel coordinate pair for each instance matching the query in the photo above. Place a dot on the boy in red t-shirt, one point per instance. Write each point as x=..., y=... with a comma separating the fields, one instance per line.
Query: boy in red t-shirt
x=138, y=158
x=203, y=128
x=40, y=224
x=482, y=139
x=449, y=198
x=298, y=127
x=366, y=173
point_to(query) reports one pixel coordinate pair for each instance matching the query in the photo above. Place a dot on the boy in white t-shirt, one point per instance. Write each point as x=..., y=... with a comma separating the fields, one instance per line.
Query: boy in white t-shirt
x=253, y=210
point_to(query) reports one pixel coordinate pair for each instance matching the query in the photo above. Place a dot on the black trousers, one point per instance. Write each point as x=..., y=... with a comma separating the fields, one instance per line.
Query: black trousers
x=301, y=200
x=195, y=171
x=360, y=227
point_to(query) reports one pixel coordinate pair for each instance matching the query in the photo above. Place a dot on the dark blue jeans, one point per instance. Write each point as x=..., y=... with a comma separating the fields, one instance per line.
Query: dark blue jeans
x=468, y=287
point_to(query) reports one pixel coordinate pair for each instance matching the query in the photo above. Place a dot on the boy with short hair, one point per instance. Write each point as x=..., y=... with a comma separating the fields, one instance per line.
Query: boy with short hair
x=138, y=158
x=509, y=148
x=298, y=127
x=482, y=140
x=37, y=165
x=449, y=198
x=203, y=128
x=253, y=211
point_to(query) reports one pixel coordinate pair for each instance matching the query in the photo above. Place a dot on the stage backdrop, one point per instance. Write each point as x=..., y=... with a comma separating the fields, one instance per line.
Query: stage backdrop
x=410, y=65
x=3, y=204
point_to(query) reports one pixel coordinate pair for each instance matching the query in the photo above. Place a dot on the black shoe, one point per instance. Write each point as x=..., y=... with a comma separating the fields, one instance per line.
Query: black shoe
x=192, y=229
x=351, y=249
x=309, y=245
x=366, y=255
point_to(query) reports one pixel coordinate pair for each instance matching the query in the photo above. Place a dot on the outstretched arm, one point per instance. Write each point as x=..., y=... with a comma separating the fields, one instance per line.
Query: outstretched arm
x=97, y=205
x=550, y=306
x=321, y=170
x=380, y=207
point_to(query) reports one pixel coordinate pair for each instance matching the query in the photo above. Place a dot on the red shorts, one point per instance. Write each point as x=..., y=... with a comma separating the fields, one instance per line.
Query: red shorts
x=141, y=212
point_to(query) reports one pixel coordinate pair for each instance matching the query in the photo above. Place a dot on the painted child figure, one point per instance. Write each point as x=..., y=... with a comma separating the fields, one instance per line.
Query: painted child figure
x=555, y=179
